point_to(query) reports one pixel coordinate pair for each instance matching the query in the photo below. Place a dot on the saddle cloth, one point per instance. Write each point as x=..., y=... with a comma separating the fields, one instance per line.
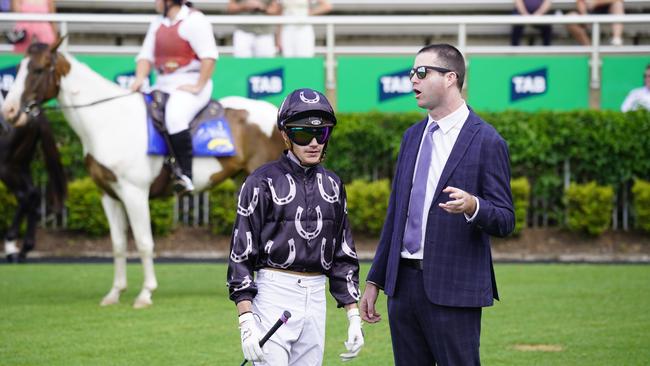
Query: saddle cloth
x=210, y=131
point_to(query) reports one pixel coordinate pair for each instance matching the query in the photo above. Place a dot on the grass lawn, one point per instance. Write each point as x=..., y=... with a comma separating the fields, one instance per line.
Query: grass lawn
x=549, y=315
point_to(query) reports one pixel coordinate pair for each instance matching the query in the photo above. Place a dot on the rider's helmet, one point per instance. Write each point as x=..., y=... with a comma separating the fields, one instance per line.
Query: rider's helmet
x=306, y=107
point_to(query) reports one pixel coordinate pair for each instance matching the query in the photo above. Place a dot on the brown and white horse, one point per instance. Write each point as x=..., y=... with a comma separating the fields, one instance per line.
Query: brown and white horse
x=114, y=138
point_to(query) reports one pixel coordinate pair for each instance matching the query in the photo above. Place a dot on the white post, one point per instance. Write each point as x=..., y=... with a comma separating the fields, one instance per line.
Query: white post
x=595, y=56
x=330, y=62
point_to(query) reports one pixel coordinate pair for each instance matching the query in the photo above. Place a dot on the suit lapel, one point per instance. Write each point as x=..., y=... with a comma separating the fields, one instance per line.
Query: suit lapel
x=470, y=128
x=412, y=146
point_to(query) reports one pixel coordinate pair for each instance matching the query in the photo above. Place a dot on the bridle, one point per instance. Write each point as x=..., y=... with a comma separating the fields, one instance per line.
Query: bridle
x=35, y=107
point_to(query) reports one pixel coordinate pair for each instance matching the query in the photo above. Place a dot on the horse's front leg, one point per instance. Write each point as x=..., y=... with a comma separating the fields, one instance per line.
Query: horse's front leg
x=118, y=227
x=11, y=249
x=29, y=241
x=136, y=202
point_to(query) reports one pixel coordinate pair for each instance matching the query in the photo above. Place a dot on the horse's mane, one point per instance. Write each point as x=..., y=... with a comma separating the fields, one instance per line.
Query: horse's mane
x=91, y=78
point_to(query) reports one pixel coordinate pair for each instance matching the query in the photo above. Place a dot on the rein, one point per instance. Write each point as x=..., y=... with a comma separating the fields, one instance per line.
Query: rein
x=34, y=109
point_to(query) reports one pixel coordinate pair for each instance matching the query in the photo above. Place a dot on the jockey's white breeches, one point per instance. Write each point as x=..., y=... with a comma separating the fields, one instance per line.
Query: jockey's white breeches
x=182, y=106
x=301, y=341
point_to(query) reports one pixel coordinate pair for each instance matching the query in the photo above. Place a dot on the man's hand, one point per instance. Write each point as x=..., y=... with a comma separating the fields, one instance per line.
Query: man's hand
x=190, y=88
x=367, y=304
x=250, y=338
x=355, y=336
x=462, y=202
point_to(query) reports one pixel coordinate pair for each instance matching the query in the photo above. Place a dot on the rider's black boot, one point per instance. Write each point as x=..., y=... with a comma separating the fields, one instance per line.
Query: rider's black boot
x=182, y=144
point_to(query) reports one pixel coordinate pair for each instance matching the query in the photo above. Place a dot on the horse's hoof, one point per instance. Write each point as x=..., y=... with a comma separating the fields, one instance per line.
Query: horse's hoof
x=142, y=303
x=112, y=298
x=12, y=258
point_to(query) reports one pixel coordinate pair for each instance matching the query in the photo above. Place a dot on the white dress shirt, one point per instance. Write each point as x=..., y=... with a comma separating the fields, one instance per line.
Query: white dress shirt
x=444, y=139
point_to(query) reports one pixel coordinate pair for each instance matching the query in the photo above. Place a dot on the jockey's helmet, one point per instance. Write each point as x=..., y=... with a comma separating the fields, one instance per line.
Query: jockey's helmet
x=306, y=107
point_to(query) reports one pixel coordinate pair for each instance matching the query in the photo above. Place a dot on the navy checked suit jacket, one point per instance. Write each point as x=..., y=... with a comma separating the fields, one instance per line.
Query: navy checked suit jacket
x=457, y=264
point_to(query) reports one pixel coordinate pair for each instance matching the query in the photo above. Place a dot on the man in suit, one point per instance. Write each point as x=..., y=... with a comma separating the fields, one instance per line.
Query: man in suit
x=451, y=191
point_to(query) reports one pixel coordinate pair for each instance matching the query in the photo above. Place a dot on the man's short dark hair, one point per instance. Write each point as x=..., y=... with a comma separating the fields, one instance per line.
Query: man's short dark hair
x=450, y=58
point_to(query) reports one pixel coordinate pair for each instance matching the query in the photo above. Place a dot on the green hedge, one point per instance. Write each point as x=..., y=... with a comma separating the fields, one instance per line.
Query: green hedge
x=590, y=207
x=223, y=207
x=367, y=205
x=641, y=193
x=8, y=206
x=521, y=200
x=85, y=212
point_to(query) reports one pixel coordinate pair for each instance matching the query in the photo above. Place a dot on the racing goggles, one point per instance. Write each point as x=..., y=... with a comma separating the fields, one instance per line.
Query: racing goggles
x=304, y=135
x=421, y=71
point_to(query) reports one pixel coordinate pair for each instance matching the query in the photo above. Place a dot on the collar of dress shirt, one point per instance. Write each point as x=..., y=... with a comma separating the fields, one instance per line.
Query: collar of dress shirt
x=182, y=14
x=454, y=119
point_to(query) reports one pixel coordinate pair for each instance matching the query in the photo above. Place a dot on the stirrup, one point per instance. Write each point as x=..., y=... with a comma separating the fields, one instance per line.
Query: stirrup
x=183, y=185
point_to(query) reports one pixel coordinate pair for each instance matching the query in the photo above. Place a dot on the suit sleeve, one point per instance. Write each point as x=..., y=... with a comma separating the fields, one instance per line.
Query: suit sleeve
x=496, y=215
x=344, y=274
x=377, y=273
x=244, y=245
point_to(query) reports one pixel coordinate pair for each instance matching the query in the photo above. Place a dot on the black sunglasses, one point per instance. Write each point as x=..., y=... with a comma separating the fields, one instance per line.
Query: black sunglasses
x=304, y=135
x=421, y=71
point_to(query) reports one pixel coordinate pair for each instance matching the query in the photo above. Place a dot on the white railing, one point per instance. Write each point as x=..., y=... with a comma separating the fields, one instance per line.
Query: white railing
x=331, y=23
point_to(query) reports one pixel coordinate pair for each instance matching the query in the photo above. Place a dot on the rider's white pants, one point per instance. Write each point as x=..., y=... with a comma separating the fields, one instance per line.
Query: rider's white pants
x=182, y=106
x=301, y=341
x=246, y=44
x=298, y=40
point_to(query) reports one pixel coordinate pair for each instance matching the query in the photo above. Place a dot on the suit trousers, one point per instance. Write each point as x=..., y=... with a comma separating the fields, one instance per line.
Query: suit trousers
x=426, y=334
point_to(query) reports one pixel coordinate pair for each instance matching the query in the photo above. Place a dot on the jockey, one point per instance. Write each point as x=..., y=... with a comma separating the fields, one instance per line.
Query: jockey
x=291, y=234
x=181, y=46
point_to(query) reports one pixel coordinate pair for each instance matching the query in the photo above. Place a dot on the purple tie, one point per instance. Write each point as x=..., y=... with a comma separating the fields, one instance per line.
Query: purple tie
x=413, y=231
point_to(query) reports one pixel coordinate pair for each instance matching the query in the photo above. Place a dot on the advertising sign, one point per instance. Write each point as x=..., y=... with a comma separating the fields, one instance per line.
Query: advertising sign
x=528, y=82
x=270, y=79
x=620, y=74
x=374, y=83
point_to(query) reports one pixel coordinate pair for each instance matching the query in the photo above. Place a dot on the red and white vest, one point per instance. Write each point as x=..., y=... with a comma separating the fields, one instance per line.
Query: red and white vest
x=171, y=51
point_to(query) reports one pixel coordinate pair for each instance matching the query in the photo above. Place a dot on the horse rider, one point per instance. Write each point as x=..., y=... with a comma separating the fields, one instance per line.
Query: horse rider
x=292, y=229
x=180, y=45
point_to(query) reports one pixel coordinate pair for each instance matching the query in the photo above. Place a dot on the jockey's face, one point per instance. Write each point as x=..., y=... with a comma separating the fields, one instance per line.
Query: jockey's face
x=308, y=155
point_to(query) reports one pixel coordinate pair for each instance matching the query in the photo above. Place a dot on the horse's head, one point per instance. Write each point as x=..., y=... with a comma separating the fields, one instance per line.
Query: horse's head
x=38, y=80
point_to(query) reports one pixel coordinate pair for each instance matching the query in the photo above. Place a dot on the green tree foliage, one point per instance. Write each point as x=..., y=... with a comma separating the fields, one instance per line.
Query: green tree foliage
x=590, y=207
x=162, y=215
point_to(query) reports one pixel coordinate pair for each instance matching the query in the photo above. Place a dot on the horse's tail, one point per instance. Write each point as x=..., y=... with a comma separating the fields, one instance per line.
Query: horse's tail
x=57, y=184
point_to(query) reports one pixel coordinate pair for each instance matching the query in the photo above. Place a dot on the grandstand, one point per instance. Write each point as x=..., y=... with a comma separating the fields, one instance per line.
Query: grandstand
x=346, y=35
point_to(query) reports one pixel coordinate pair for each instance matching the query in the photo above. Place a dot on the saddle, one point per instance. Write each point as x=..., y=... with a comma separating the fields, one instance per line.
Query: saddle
x=210, y=131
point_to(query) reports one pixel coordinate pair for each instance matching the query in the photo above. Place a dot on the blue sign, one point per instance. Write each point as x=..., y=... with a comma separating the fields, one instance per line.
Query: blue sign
x=7, y=77
x=394, y=85
x=529, y=84
x=266, y=84
x=126, y=79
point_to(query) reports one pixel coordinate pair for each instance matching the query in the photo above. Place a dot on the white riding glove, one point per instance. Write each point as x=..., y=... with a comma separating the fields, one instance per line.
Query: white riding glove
x=355, y=336
x=250, y=338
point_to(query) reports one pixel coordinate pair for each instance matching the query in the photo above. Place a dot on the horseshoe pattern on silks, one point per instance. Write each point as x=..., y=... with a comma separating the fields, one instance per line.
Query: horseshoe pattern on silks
x=290, y=258
x=347, y=250
x=352, y=290
x=319, y=224
x=238, y=258
x=326, y=265
x=289, y=197
x=245, y=283
x=251, y=206
x=335, y=187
